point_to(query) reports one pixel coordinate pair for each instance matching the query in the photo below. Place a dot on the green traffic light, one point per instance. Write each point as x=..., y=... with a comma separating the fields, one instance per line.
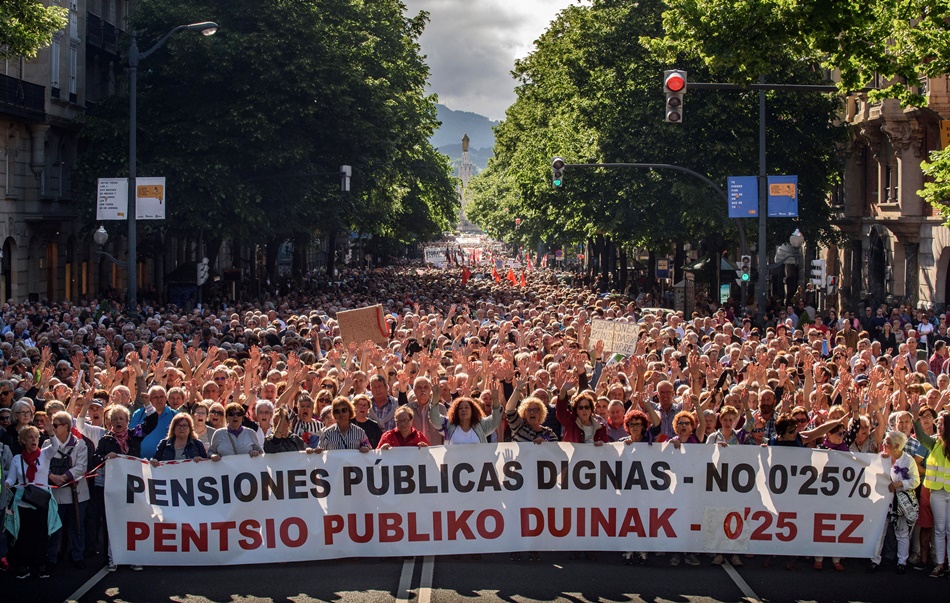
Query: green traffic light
x=557, y=182
x=745, y=277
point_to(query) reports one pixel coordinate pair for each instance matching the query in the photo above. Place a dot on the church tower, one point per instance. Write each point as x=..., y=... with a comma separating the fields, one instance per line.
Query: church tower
x=465, y=172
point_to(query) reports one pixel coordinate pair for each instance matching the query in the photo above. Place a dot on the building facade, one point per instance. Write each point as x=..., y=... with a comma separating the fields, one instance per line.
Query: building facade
x=898, y=247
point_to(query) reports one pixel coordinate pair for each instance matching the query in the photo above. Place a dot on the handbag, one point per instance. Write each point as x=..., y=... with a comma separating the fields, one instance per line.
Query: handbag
x=907, y=505
x=33, y=495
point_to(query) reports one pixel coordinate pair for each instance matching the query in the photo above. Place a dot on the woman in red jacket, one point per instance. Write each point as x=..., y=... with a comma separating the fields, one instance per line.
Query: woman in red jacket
x=580, y=424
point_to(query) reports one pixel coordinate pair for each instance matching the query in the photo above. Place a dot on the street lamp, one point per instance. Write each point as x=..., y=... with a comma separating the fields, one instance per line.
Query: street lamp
x=101, y=237
x=207, y=28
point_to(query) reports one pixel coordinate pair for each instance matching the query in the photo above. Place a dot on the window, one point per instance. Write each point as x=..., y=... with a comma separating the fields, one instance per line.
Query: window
x=73, y=67
x=54, y=65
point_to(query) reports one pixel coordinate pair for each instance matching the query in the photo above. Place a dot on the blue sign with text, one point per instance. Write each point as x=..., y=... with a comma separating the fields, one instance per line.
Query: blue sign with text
x=783, y=196
x=743, y=196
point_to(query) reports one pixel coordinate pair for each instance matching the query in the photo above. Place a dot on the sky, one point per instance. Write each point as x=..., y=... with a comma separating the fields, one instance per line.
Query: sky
x=471, y=47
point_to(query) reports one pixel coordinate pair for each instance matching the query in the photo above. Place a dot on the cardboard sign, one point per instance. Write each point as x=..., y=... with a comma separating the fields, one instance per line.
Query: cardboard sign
x=363, y=324
x=619, y=337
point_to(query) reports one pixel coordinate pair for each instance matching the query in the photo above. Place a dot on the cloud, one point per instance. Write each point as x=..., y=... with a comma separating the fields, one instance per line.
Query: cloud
x=471, y=47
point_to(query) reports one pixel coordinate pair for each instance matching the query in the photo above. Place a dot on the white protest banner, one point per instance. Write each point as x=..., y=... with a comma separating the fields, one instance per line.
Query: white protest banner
x=489, y=498
x=435, y=255
x=619, y=337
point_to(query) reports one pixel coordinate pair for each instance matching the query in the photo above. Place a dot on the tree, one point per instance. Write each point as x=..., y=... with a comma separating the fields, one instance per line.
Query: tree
x=26, y=26
x=592, y=93
x=896, y=40
x=251, y=127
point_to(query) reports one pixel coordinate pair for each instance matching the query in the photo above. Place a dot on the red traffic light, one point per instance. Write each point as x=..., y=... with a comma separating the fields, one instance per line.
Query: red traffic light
x=675, y=82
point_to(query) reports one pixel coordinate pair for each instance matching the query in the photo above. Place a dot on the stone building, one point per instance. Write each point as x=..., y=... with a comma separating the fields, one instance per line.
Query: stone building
x=465, y=172
x=46, y=252
x=898, y=247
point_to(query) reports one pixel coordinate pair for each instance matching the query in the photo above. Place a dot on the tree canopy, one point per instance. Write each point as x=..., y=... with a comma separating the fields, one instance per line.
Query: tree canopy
x=250, y=127
x=591, y=92
x=27, y=25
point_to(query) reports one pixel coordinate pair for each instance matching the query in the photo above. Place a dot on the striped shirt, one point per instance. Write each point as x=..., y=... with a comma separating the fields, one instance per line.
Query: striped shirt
x=334, y=439
x=522, y=432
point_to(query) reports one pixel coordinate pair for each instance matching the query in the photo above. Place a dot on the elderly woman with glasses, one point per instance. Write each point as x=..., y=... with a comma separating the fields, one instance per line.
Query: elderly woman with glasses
x=343, y=434
x=181, y=442
x=30, y=526
x=904, y=479
x=235, y=438
x=201, y=413
x=21, y=414
x=67, y=467
x=526, y=417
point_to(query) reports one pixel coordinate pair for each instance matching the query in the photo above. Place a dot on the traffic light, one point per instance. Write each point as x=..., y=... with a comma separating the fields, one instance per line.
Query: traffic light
x=674, y=84
x=745, y=268
x=557, y=172
x=202, y=271
x=818, y=273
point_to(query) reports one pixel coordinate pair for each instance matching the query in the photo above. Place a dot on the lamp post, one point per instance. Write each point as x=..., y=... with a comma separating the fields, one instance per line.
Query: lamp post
x=207, y=28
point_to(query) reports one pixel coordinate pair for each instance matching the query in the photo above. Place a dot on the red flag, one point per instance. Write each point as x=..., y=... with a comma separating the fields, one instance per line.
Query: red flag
x=524, y=281
x=529, y=263
x=511, y=276
x=495, y=275
x=466, y=274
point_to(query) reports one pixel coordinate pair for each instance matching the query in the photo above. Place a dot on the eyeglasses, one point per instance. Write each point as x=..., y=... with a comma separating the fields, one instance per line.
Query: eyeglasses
x=6, y=392
x=585, y=407
x=340, y=411
x=23, y=412
x=200, y=415
x=404, y=420
x=758, y=430
x=217, y=413
x=235, y=414
x=684, y=424
x=633, y=424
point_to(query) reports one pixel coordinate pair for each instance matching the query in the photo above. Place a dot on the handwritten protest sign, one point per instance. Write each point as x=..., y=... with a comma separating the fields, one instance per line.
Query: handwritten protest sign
x=363, y=324
x=618, y=337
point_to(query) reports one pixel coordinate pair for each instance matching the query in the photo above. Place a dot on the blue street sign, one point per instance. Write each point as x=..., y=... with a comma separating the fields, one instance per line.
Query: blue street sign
x=783, y=196
x=743, y=196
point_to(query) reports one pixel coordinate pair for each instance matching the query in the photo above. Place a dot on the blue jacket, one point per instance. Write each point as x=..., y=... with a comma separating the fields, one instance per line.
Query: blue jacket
x=193, y=449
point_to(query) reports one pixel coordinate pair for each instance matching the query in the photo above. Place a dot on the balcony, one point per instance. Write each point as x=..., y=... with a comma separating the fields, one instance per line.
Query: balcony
x=101, y=35
x=22, y=99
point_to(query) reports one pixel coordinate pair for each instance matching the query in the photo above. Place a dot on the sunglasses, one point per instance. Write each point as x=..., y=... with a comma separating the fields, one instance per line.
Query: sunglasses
x=758, y=430
x=585, y=407
x=340, y=411
x=235, y=414
x=217, y=412
x=801, y=421
x=327, y=386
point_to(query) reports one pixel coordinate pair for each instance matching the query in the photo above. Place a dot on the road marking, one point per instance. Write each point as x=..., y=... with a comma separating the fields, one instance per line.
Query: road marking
x=425, y=581
x=405, y=580
x=85, y=588
x=743, y=586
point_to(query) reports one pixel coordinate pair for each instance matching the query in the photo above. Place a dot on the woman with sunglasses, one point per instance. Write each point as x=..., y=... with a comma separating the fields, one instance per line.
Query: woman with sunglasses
x=181, y=443
x=904, y=479
x=344, y=434
x=215, y=416
x=30, y=526
x=833, y=440
x=235, y=438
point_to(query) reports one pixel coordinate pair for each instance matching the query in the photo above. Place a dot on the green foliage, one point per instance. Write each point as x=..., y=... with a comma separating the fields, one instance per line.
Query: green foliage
x=26, y=26
x=743, y=40
x=251, y=126
x=592, y=93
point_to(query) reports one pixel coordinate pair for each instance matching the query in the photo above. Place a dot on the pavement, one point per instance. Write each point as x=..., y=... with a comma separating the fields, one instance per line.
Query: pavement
x=448, y=579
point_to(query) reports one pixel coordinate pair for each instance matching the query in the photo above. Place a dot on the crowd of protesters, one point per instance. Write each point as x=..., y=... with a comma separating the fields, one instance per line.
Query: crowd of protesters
x=466, y=363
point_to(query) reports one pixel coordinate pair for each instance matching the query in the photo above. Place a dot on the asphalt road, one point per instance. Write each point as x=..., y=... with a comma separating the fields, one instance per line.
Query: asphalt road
x=491, y=578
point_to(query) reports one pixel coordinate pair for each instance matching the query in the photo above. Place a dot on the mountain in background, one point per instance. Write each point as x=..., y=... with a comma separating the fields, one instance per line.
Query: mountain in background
x=456, y=124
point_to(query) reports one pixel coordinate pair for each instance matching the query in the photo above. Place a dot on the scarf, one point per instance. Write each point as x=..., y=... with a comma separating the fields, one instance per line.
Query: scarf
x=122, y=439
x=236, y=432
x=30, y=458
x=588, y=430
